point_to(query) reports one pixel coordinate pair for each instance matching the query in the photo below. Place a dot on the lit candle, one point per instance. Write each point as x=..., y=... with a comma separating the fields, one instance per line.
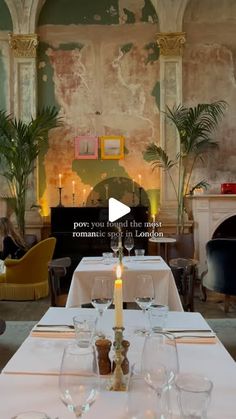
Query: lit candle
x=59, y=178
x=118, y=298
x=133, y=186
x=153, y=218
x=73, y=186
x=140, y=180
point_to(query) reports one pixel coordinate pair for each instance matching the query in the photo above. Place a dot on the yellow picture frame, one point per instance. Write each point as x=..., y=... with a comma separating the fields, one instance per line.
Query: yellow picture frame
x=112, y=147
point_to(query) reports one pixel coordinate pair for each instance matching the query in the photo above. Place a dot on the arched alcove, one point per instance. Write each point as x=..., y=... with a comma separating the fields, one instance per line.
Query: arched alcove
x=98, y=62
x=226, y=229
x=5, y=17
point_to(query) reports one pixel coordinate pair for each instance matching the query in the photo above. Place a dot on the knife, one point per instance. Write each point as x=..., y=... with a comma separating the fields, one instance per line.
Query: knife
x=70, y=326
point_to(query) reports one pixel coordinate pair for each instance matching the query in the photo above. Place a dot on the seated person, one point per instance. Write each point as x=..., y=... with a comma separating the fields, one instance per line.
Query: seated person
x=13, y=246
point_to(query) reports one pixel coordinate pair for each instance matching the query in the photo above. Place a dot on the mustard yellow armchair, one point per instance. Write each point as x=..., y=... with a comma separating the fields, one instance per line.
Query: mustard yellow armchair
x=27, y=278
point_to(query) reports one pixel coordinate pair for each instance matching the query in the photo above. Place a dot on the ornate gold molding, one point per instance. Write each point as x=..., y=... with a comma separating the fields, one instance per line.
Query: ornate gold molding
x=171, y=43
x=23, y=46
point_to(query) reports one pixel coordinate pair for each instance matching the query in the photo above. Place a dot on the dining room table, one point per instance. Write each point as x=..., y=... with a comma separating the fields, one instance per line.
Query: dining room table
x=165, y=289
x=29, y=381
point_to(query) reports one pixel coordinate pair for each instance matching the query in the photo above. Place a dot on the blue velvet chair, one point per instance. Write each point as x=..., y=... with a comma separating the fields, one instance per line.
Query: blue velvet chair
x=221, y=263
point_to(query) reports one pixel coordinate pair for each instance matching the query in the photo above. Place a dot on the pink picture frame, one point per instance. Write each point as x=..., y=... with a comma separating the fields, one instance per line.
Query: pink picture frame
x=86, y=147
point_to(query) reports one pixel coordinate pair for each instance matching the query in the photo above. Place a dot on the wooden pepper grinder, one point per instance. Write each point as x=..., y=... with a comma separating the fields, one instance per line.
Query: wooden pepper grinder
x=125, y=362
x=103, y=348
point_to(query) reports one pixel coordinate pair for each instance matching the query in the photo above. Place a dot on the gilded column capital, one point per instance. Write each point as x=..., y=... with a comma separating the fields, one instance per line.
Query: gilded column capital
x=23, y=46
x=171, y=43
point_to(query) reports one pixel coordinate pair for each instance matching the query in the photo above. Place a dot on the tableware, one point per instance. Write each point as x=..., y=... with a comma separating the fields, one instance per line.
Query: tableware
x=79, y=378
x=107, y=258
x=129, y=244
x=31, y=415
x=144, y=296
x=158, y=316
x=159, y=365
x=101, y=299
x=84, y=330
x=139, y=252
x=194, y=393
x=115, y=245
x=141, y=400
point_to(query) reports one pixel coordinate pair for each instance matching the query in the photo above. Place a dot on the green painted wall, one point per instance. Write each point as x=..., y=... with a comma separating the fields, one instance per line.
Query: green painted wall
x=5, y=17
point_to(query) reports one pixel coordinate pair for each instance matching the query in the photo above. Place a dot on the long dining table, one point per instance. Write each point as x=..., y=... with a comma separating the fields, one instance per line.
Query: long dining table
x=29, y=381
x=89, y=267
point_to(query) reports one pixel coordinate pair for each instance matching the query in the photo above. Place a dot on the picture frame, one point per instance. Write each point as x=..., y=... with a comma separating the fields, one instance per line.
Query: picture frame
x=112, y=147
x=86, y=147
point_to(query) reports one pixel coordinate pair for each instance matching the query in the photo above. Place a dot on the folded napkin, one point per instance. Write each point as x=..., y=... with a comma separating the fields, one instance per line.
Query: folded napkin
x=45, y=331
x=203, y=337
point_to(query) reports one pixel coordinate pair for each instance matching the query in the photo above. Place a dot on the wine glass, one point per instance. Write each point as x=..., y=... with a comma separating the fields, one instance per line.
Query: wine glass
x=115, y=245
x=159, y=364
x=144, y=296
x=129, y=244
x=79, y=378
x=101, y=299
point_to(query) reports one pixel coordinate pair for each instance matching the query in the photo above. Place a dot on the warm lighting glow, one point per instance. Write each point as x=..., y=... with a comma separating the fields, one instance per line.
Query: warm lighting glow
x=118, y=271
x=133, y=185
x=73, y=186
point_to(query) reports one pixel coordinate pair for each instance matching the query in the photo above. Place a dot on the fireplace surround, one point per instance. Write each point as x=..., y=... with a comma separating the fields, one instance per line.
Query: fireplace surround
x=209, y=211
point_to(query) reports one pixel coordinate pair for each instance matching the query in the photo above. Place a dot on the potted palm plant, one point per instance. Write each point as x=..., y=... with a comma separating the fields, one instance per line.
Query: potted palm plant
x=195, y=127
x=20, y=144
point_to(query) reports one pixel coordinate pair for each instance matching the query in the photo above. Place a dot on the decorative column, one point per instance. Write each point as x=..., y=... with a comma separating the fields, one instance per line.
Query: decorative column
x=24, y=51
x=171, y=46
x=24, y=74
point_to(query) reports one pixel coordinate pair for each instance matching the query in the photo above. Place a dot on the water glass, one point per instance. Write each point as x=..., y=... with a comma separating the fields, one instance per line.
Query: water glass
x=139, y=252
x=107, y=258
x=84, y=330
x=79, y=378
x=194, y=393
x=144, y=296
x=158, y=316
x=141, y=400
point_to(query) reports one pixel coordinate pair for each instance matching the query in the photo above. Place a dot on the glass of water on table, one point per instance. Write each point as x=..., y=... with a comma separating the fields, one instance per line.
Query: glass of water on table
x=101, y=299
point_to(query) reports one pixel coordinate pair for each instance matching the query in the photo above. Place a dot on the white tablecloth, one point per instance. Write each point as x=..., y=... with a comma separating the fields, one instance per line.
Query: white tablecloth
x=164, y=283
x=30, y=382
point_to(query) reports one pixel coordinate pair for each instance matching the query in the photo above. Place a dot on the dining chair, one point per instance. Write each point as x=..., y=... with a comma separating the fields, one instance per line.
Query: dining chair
x=184, y=271
x=27, y=278
x=220, y=276
x=57, y=269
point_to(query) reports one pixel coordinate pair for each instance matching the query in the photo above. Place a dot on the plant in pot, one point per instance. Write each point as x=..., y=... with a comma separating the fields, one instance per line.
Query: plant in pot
x=195, y=127
x=20, y=144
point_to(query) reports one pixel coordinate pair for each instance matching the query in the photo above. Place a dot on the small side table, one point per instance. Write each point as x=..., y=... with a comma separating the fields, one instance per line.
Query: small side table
x=165, y=241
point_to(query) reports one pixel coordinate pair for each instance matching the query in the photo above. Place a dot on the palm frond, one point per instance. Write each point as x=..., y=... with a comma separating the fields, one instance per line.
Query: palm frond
x=202, y=184
x=158, y=157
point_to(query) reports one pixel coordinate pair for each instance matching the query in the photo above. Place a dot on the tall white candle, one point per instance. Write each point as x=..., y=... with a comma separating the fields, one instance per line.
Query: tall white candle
x=140, y=180
x=59, y=180
x=106, y=188
x=73, y=186
x=118, y=298
x=133, y=185
x=84, y=193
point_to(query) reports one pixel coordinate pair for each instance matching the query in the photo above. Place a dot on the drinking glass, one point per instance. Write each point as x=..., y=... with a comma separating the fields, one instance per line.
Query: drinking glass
x=79, y=378
x=159, y=365
x=129, y=244
x=101, y=299
x=144, y=296
x=115, y=245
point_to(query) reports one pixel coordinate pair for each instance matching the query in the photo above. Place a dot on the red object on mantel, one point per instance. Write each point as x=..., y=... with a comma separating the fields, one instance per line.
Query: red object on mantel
x=229, y=188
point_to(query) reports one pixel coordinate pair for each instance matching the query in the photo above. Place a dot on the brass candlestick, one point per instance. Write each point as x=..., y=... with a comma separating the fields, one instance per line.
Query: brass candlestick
x=118, y=379
x=60, y=190
x=73, y=199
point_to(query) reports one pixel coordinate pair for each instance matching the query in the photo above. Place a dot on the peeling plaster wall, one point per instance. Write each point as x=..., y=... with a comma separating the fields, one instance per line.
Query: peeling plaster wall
x=99, y=64
x=5, y=27
x=209, y=75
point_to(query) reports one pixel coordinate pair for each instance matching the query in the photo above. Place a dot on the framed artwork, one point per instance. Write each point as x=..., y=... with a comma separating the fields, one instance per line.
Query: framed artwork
x=112, y=147
x=86, y=147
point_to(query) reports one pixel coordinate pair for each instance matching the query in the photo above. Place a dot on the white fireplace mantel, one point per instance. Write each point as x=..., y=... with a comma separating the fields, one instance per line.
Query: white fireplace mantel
x=209, y=211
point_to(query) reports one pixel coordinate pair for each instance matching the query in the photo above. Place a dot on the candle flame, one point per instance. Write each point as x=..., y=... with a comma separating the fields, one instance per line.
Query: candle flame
x=118, y=271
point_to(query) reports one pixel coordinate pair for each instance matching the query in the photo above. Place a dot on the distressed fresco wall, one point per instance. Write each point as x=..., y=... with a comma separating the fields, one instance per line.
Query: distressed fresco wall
x=5, y=28
x=209, y=75
x=99, y=64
